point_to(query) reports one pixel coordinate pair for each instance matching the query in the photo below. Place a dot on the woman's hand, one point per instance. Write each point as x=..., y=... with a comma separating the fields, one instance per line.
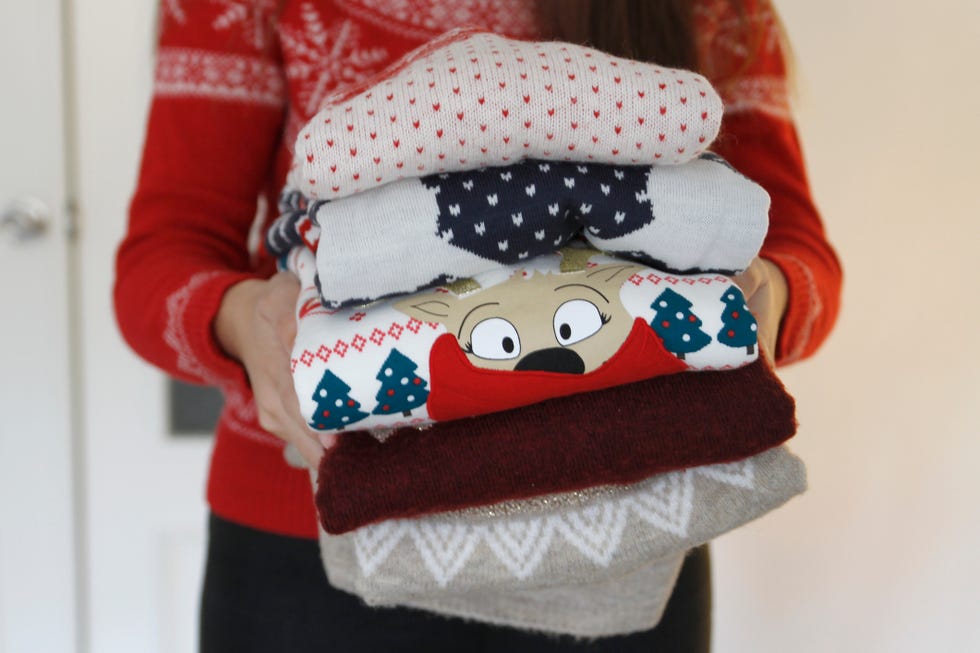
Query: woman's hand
x=256, y=324
x=767, y=294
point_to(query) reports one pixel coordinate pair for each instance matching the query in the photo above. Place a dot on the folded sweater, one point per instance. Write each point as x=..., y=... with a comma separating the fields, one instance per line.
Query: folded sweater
x=568, y=323
x=620, y=435
x=585, y=536
x=471, y=99
x=699, y=216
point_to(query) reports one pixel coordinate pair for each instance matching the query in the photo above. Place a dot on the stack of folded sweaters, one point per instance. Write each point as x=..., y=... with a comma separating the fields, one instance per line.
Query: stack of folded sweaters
x=516, y=313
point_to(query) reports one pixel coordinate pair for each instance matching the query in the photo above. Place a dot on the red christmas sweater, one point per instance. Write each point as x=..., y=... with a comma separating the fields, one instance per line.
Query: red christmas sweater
x=235, y=79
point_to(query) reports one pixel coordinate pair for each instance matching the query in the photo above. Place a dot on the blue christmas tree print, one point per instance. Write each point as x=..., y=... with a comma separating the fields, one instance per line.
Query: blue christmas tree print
x=739, y=328
x=676, y=325
x=335, y=409
x=401, y=388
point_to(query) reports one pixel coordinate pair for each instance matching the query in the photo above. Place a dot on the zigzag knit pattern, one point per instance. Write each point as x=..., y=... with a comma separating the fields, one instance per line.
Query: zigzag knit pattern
x=565, y=538
x=472, y=99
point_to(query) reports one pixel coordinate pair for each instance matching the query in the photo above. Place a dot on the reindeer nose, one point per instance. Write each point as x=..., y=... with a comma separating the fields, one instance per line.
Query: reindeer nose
x=555, y=359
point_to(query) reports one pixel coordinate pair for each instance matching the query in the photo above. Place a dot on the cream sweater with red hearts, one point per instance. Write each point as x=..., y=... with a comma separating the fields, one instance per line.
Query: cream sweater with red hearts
x=474, y=99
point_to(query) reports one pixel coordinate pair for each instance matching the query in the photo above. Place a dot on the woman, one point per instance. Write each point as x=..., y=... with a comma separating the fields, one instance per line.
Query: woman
x=235, y=81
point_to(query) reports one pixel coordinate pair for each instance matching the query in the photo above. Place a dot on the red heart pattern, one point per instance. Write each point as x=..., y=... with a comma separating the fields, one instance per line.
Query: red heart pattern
x=475, y=87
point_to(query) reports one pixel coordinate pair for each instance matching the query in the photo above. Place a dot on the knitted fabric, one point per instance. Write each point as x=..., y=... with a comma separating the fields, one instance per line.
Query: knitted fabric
x=693, y=217
x=563, y=539
x=631, y=603
x=621, y=435
x=558, y=325
x=472, y=99
x=296, y=225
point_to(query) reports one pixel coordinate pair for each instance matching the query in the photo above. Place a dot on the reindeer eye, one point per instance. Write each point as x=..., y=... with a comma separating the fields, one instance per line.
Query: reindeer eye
x=495, y=339
x=576, y=320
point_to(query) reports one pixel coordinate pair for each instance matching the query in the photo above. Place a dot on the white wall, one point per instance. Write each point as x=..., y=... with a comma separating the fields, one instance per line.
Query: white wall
x=883, y=552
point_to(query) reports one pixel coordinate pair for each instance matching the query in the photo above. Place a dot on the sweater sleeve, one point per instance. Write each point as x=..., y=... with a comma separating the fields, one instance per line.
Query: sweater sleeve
x=743, y=57
x=213, y=126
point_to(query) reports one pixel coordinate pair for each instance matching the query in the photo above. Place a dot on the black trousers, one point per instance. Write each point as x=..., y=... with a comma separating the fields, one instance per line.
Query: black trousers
x=267, y=593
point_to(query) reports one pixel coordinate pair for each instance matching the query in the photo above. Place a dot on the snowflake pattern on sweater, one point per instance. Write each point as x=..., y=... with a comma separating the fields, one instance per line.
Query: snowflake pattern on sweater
x=323, y=46
x=326, y=55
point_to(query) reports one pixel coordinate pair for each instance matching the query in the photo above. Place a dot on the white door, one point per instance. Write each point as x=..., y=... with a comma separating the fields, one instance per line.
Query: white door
x=145, y=505
x=37, y=527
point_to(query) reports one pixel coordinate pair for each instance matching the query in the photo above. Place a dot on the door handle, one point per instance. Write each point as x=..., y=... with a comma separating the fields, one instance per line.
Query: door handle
x=27, y=218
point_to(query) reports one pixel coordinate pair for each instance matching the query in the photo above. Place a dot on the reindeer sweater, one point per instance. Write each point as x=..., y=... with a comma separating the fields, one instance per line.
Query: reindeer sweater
x=236, y=79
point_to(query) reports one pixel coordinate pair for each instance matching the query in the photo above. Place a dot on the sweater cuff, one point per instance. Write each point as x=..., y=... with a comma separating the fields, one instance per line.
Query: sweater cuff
x=191, y=311
x=802, y=308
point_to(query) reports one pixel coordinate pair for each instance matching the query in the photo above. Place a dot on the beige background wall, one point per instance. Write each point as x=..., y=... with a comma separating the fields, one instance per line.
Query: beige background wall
x=883, y=552
x=882, y=555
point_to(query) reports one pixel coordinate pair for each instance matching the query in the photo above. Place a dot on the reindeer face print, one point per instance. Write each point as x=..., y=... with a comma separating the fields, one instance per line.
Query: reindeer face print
x=570, y=323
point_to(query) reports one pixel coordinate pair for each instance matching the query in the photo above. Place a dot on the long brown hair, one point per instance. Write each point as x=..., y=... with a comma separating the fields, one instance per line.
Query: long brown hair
x=648, y=30
x=660, y=31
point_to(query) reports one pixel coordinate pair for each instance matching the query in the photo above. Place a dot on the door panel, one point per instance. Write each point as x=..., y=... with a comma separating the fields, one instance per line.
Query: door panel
x=37, y=531
x=145, y=488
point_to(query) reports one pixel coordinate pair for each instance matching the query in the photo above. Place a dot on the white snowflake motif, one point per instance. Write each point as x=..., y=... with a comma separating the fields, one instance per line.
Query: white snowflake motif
x=172, y=10
x=250, y=15
x=321, y=58
x=729, y=30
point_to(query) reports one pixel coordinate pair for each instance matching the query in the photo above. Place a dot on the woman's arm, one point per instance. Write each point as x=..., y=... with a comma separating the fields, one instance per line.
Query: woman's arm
x=758, y=137
x=213, y=126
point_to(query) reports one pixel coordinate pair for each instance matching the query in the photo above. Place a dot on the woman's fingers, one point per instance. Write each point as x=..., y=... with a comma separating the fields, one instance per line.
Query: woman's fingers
x=257, y=325
x=766, y=294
